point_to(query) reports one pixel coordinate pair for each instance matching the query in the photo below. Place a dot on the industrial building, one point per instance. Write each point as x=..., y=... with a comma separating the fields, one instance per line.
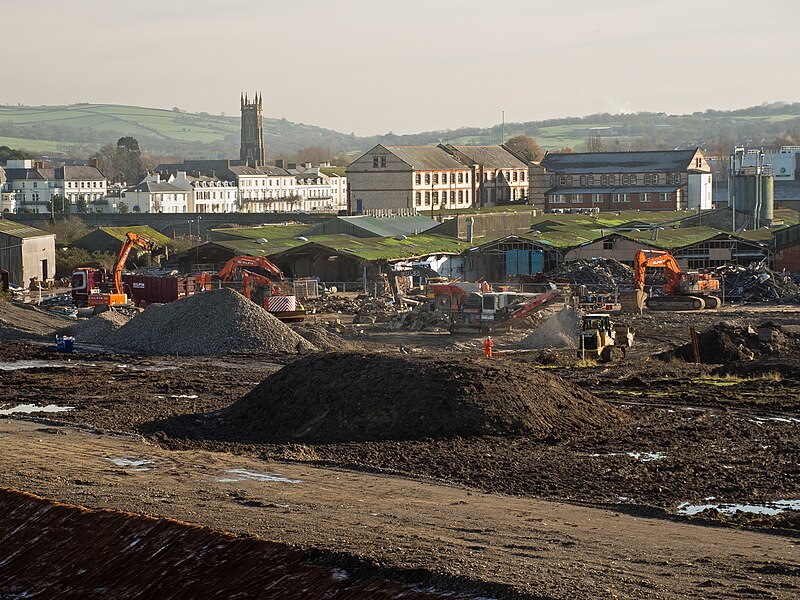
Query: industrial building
x=26, y=253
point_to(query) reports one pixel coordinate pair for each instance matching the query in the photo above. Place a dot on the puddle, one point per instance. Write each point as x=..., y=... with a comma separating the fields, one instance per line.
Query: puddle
x=138, y=465
x=190, y=396
x=768, y=508
x=642, y=456
x=760, y=420
x=33, y=364
x=27, y=409
x=244, y=474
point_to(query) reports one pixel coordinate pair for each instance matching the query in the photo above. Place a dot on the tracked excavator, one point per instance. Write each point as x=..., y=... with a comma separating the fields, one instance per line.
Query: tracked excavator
x=683, y=290
x=272, y=296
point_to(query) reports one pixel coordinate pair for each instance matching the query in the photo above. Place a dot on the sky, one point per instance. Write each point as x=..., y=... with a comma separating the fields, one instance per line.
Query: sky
x=370, y=67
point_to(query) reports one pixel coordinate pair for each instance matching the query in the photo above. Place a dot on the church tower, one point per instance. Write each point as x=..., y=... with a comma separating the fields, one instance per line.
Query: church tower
x=252, y=149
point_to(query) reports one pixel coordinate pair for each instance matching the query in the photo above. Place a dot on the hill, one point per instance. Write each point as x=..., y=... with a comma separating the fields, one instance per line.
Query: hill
x=80, y=129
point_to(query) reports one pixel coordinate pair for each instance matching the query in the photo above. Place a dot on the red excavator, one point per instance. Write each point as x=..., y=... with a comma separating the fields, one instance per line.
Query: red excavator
x=262, y=290
x=683, y=290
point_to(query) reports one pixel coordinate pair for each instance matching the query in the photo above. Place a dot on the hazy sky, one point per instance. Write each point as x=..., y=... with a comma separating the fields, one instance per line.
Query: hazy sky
x=369, y=67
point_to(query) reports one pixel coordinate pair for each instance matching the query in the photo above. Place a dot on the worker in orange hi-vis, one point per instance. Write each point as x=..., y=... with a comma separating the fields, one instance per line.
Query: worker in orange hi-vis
x=487, y=347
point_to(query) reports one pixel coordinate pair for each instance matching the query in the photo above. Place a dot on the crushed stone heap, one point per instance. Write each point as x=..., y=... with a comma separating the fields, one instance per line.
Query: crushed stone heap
x=97, y=329
x=217, y=322
x=558, y=331
x=342, y=397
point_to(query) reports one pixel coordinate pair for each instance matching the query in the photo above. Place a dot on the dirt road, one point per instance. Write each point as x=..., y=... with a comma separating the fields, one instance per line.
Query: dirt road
x=541, y=548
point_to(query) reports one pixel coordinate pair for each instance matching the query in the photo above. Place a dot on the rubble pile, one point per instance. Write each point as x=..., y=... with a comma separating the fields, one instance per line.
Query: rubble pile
x=727, y=342
x=374, y=310
x=423, y=317
x=365, y=308
x=331, y=304
x=342, y=397
x=757, y=283
x=99, y=328
x=561, y=330
x=602, y=272
x=217, y=322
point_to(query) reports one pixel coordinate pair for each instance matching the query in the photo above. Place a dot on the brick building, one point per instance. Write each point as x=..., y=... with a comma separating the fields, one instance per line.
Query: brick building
x=653, y=180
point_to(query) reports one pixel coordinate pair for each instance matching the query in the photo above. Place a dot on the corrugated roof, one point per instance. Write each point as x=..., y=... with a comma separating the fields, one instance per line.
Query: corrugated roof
x=143, y=230
x=660, y=161
x=382, y=226
x=675, y=237
x=20, y=230
x=425, y=158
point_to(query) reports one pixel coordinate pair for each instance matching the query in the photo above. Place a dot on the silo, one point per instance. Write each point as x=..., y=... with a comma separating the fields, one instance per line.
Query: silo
x=754, y=195
x=767, y=198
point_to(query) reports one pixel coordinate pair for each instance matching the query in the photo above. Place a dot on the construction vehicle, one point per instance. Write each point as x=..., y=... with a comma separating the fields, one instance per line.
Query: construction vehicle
x=471, y=310
x=683, y=290
x=600, y=340
x=96, y=287
x=395, y=271
x=272, y=296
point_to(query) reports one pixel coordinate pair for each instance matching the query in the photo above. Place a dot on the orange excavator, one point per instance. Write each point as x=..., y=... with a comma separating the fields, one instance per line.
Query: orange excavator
x=262, y=290
x=683, y=290
x=91, y=287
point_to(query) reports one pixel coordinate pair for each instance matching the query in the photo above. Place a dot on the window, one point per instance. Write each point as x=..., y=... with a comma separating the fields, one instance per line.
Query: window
x=597, y=198
x=516, y=175
x=625, y=180
x=435, y=178
x=562, y=180
x=577, y=199
x=444, y=177
x=418, y=198
x=612, y=180
x=383, y=162
x=375, y=162
x=608, y=244
x=644, y=197
x=427, y=178
x=634, y=180
x=621, y=198
x=559, y=199
x=522, y=176
x=664, y=197
x=435, y=197
x=655, y=179
x=460, y=178
x=460, y=196
x=427, y=198
x=35, y=184
x=698, y=162
x=584, y=180
x=591, y=179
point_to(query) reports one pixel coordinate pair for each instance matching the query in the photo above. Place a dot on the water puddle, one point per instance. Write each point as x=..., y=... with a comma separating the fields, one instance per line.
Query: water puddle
x=642, y=456
x=244, y=474
x=33, y=364
x=768, y=508
x=27, y=409
x=136, y=464
x=761, y=420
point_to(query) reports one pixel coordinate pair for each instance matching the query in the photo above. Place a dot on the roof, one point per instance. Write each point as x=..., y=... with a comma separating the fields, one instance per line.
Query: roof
x=425, y=158
x=619, y=162
x=333, y=171
x=380, y=249
x=380, y=226
x=156, y=186
x=142, y=230
x=79, y=172
x=20, y=230
x=673, y=238
x=493, y=157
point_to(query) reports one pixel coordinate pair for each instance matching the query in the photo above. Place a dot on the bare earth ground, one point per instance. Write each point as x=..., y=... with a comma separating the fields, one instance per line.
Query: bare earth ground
x=733, y=439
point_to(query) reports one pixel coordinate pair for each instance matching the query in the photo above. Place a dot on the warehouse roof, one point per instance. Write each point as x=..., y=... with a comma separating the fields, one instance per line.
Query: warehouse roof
x=20, y=230
x=142, y=230
x=425, y=157
x=377, y=226
x=492, y=157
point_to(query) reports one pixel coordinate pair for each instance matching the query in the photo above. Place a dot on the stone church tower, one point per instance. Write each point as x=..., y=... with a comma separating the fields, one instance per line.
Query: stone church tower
x=252, y=149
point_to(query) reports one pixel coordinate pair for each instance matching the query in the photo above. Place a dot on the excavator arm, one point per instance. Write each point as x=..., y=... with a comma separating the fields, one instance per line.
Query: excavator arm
x=238, y=264
x=132, y=240
x=657, y=259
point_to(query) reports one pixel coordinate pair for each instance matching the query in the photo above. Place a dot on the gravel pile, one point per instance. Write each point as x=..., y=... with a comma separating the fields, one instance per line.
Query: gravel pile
x=97, y=329
x=559, y=331
x=342, y=397
x=217, y=322
x=24, y=321
x=323, y=338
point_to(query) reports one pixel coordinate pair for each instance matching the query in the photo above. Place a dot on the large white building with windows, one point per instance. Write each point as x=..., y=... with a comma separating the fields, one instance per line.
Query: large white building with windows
x=152, y=195
x=397, y=179
x=33, y=186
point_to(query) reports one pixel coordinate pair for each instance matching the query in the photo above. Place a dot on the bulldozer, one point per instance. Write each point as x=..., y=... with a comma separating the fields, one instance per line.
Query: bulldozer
x=601, y=340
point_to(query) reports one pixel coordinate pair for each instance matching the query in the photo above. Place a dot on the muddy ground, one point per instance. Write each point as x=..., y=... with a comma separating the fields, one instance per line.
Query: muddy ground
x=697, y=434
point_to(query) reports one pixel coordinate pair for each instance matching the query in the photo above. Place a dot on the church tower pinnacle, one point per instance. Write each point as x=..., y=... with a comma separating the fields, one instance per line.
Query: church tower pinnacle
x=252, y=134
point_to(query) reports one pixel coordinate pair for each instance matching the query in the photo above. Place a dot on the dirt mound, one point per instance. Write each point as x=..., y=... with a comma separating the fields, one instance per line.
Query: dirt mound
x=323, y=338
x=97, y=329
x=24, y=321
x=357, y=397
x=559, y=331
x=217, y=322
x=728, y=342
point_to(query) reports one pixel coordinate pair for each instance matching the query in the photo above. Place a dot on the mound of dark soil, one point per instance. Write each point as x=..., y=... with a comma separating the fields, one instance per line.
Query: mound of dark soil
x=323, y=338
x=727, y=342
x=357, y=397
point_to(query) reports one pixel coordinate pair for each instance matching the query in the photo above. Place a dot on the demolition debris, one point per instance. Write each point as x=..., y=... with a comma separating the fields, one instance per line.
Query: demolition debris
x=606, y=273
